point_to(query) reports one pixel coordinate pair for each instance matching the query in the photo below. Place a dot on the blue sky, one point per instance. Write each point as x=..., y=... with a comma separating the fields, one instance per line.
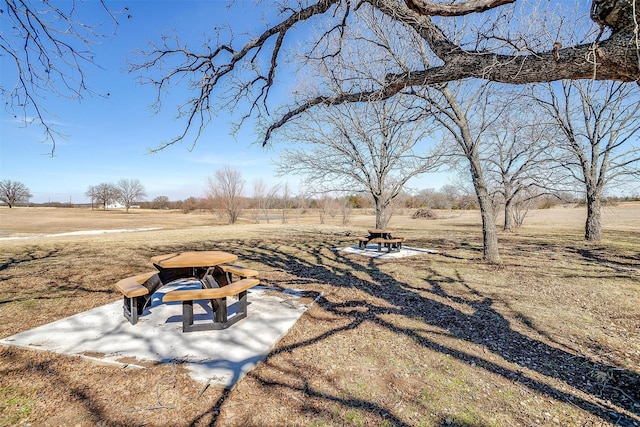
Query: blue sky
x=109, y=137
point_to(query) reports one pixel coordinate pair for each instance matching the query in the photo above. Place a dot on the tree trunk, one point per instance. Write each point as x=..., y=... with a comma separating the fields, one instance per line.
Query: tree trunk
x=593, y=225
x=508, y=215
x=489, y=234
x=381, y=219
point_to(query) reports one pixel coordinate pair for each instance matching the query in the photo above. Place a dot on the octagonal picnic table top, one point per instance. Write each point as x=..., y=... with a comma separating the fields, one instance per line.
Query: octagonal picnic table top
x=193, y=259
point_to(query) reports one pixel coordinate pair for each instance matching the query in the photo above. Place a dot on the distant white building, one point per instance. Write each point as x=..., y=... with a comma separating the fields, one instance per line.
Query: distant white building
x=118, y=205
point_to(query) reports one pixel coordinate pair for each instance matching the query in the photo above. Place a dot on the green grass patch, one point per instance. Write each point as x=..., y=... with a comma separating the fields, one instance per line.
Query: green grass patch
x=14, y=407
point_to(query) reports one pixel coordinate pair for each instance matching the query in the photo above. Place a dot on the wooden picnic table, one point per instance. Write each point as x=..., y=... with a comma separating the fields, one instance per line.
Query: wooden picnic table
x=381, y=237
x=197, y=264
x=211, y=268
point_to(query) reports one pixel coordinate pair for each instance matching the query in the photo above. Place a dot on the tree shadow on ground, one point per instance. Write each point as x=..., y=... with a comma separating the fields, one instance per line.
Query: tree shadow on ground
x=28, y=256
x=614, y=391
x=596, y=255
x=59, y=380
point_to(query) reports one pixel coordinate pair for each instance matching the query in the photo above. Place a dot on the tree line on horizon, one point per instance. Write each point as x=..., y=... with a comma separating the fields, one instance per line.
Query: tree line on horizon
x=280, y=197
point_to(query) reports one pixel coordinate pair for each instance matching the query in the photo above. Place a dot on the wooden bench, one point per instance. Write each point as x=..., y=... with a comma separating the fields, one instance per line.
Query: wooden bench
x=132, y=289
x=393, y=243
x=390, y=244
x=218, y=297
x=362, y=242
x=244, y=272
x=385, y=239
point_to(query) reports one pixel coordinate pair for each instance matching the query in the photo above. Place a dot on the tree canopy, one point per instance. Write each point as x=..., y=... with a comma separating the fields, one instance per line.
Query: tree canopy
x=14, y=192
x=507, y=41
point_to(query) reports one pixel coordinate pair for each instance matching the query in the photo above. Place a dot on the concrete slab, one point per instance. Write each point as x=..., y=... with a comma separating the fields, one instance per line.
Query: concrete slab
x=372, y=251
x=217, y=357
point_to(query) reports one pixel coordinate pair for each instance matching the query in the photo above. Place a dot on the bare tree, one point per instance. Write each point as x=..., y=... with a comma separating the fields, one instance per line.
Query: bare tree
x=161, y=202
x=504, y=45
x=264, y=199
x=104, y=194
x=91, y=193
x=346, y=209
x=191, y=204
x=466, y=122
x=285, y=200
x=271, y=199
x=50, y=46
x=129, y=191
x=327, y=205
x=227, y=188
x=259, y=198
x=518, y=158
x=13, y=192
x=372, y=148
x=529, y=198
x=301, y=202
x=600, y=122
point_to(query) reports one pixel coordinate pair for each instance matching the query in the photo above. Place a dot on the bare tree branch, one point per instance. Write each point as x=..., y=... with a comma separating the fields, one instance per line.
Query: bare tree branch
x=236, y=72
x=603, y=61
x=206, y=71
x=447, y=9
x=50, y=47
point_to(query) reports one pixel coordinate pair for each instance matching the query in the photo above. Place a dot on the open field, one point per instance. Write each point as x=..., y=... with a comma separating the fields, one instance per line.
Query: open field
x=551, y=336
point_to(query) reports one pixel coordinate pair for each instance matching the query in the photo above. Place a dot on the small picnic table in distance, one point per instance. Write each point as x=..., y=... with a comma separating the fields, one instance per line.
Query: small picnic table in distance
x=210, y=268
x=381, y=237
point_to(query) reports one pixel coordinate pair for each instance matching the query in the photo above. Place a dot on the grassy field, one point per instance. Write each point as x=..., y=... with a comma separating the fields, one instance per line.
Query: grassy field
x=551, y=336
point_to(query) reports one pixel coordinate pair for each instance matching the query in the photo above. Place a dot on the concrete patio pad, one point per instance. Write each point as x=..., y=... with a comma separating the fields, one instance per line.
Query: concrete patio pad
x=372, y=251
x=217, y=357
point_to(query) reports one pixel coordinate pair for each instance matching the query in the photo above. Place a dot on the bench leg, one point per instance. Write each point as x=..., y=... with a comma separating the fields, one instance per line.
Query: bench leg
x=187, y=320
x=242, y=304
x=220, y=319
x=130, y=308
x=187, y=315
x=379, y=246
x=219, y=307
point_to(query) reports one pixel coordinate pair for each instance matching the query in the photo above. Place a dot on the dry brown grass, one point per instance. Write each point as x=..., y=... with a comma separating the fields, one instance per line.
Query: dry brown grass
x=551, y=336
